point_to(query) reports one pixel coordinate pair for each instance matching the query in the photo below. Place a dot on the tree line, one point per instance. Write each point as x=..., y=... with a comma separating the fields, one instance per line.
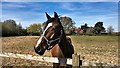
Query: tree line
x=10, y=28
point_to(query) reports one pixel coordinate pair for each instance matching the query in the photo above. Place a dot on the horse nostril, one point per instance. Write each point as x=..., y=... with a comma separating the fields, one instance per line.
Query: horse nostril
x=37, y=49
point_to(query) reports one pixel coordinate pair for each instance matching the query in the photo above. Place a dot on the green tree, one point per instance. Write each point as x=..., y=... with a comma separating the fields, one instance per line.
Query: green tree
x=19, y=29
x=68, y=24
x=24, y=32
x=98, y=28
x=9, y=28
x=34, y=29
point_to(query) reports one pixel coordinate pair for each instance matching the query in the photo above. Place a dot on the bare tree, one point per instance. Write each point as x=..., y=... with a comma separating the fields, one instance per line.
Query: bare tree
x=110, y=29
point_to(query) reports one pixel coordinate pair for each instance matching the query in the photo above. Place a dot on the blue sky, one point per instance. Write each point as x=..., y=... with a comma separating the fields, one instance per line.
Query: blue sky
x=81, y=12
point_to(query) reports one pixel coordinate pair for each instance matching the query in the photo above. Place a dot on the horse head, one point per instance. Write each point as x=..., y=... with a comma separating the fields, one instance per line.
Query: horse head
x=51, y=34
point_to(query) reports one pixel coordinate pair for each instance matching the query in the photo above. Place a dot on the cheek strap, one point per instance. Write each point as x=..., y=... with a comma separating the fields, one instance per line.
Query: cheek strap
x=51, y=41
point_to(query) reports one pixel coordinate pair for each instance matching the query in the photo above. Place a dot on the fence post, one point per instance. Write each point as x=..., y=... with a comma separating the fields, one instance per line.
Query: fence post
x=76, y=60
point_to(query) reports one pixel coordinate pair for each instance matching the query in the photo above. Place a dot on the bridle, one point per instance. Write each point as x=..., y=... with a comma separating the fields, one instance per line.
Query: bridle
x=52, y=40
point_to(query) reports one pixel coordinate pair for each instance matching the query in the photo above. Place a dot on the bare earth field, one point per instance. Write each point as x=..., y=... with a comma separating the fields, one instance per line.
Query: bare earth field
x=101, y=49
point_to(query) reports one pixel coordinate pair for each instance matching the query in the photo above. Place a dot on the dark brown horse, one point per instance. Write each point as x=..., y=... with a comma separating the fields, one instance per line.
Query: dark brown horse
x=54, y=39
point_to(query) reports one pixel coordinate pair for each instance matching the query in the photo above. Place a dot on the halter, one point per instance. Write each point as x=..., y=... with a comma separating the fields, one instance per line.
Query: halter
x=51, y=41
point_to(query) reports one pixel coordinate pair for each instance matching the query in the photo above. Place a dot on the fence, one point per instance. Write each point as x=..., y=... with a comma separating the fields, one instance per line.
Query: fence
x=75, y=61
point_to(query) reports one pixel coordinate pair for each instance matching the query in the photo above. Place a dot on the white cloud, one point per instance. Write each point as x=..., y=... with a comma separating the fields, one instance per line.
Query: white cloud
x=79, y=17
x=67, y=6
x=14, y=5
x=25, y=18
x=108, y=19
x=61, y=0
x=73, y=7
x=25, y=23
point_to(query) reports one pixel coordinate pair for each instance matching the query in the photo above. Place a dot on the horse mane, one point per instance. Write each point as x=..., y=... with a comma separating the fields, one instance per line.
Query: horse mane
x=66, y=43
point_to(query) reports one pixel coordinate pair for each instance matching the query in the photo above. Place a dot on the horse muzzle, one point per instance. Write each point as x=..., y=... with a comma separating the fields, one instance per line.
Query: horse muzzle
x=39, y=50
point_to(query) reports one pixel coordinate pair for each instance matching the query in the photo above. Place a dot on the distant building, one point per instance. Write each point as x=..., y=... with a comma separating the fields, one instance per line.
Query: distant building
x=84, y=28
x=78, y=31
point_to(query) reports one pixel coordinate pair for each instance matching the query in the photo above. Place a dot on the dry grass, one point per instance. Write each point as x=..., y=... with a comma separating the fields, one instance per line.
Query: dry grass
x=91, y=48
x=97, y=48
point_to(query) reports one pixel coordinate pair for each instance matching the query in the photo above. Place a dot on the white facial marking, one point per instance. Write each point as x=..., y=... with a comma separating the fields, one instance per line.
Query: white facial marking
x=52, y=36
x=40, y=39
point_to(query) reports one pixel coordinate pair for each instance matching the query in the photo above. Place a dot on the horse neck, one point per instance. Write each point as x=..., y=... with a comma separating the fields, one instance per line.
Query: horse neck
x=63, y=39
x=65, y=46
x=63, y=35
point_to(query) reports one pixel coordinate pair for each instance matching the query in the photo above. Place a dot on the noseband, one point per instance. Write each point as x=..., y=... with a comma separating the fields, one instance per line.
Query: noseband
x=51, y=41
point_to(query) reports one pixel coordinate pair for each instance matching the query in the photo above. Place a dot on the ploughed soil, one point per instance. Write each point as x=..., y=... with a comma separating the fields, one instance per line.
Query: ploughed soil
x=102, y=49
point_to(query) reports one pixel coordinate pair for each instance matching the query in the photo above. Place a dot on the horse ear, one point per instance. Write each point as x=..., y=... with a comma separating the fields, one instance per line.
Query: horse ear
x=55, y=15
x=48, y=17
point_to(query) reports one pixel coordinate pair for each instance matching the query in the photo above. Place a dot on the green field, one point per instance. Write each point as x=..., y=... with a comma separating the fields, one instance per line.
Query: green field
x=91, y=48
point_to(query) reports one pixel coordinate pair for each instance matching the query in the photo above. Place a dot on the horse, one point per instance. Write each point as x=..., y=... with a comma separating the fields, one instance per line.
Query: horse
x=54, y=38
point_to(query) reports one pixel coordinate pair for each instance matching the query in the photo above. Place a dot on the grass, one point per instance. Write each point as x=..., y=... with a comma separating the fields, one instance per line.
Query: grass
x=102, y=48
